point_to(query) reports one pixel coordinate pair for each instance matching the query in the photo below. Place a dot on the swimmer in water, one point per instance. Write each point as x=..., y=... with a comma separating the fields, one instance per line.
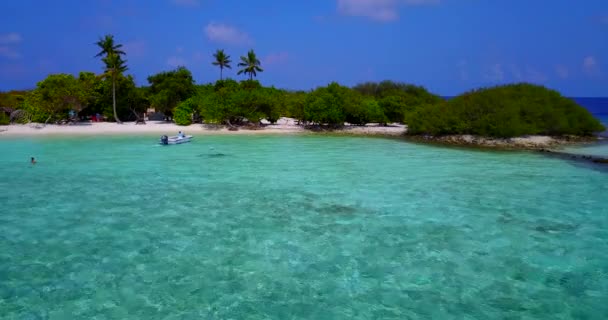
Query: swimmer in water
x=33, y=160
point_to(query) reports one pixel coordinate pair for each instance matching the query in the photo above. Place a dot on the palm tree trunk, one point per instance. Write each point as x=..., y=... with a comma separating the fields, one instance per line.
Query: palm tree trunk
x=114, y=99
x=221, y=76
x=250, y=76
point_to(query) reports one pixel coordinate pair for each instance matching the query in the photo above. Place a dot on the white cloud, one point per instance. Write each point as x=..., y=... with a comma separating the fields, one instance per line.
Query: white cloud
x=8, y=43
x=516, y=72
x=527, y=74
x=48, y=66
x=187, y=3
x=222, y=33
x=495, y=73
x=198, y=56
x=591, y=65
x=275, y=58
x=104, y=21
x=10, y=38
x=13, y=70
x=535, y=76
x=462, y=68
x=9, y=52
x=378, y=10
x=136, y=48
x=602, y=19
x=562, y=71
x=175, y=61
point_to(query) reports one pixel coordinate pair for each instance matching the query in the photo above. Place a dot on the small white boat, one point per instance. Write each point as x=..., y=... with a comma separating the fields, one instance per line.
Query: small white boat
x=164, y=140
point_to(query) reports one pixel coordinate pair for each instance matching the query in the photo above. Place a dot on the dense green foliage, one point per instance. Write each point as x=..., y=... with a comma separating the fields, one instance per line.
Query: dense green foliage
x=12, y=99
x=326, y=105
x=183, y=113
x=335, y=104
x=55, y=96
x=506, y=111
x=503, y=111
x=168, y=89
x=130, y=99
x=4, y=119
x=230, y=102
x=398, y=101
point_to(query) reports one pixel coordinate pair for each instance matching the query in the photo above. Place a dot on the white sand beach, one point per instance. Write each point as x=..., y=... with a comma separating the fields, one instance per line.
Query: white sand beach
x=283, y=126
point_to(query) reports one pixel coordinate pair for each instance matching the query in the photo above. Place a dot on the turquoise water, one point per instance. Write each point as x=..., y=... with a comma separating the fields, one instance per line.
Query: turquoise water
x=297, y=227
x=596, y=149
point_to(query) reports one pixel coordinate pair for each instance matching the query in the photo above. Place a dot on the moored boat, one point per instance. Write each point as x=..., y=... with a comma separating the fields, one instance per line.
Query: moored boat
x=165, y=140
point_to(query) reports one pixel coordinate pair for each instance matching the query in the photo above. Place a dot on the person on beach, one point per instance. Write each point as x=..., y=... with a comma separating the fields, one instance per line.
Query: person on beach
x=33, y=161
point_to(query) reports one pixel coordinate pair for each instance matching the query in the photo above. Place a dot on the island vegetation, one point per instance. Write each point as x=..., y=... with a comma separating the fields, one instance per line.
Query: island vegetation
x=502, y=111
x=506, y=111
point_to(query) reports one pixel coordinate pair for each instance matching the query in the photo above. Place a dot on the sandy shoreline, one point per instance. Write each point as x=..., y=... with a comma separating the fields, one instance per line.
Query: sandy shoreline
x=283, y=126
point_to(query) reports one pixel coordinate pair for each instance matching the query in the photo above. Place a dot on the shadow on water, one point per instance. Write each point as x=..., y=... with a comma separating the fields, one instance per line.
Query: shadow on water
x=587, y=161
x=212, y=155
x=540, y=225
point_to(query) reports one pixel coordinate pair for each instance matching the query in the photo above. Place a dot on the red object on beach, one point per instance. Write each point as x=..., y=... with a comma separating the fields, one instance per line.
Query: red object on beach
x=93, y=118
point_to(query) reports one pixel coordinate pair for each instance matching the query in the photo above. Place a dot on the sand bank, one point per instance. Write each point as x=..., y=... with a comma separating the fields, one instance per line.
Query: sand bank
x=283, y=126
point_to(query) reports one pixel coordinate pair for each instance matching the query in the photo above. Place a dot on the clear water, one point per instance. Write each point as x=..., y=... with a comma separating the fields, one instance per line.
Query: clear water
x=596, y=149
x=297, y=227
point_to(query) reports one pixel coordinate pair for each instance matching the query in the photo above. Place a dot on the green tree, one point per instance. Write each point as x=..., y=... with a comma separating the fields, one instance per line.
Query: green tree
x=222, y=60
x=294, y=105
x=114, y=64
x=398, y=101
x=326, y=105
x=250, y=64
x=506, y=111
x=129, y=98
x=55, y=96
x=168, y=89
x=363, y=110
x=12, y=99
x=91, y=84
x=184, y=111
x=4, y=119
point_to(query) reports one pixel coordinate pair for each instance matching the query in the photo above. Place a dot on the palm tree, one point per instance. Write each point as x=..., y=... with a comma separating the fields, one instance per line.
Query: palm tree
x=222, y=60
x=115, y=65
x=250, y=64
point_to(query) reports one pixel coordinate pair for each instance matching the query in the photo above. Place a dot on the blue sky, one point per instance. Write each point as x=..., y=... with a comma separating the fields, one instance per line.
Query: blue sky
x=448, y=46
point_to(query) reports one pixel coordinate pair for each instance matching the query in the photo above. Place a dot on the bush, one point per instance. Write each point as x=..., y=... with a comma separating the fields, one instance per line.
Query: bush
x=360, y=110
x=294, y=104
x=325, y=105
x=4, y=119
x=32, y=105
x=182, y=114
x=506, y=111
x=398, y=101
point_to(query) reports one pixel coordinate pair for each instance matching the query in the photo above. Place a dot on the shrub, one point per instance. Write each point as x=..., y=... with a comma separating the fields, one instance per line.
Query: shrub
x=506, y=111
x=182, y=114
x=294, y=104
x=360, y=110
x=325, y=105
x=398, y=101
x=4, y=119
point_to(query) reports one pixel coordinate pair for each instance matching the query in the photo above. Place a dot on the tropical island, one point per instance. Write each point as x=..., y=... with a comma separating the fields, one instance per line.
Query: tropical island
x=516, y=115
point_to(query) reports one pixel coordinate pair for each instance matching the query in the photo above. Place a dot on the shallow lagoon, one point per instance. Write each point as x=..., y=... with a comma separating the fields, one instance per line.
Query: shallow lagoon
x=297, y=227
